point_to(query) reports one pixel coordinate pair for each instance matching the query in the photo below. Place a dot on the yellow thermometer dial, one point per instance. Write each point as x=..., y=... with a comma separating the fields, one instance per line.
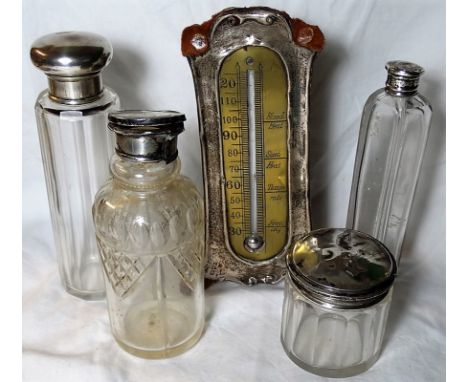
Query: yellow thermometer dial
x=253, y=99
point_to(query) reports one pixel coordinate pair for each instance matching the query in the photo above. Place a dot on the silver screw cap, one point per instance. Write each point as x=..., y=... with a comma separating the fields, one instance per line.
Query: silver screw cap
x=403, y=78
x=73, y=62
x=146, y=135
x=341, y=268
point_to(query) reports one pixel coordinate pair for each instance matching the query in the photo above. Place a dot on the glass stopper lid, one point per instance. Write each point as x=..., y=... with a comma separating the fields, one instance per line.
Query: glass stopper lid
x=341, y=267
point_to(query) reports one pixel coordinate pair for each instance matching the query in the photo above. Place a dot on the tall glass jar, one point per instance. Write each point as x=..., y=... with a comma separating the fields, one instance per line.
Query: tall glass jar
x=150, y=230
x=392, y=139
x=76, y=147
x=336, y=301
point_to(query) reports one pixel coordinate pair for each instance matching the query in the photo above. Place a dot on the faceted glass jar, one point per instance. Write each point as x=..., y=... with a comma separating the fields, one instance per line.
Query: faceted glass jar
x=76, y=148
x=392, y=141
x=328, y=341
x=336, y=301
x=150, y=229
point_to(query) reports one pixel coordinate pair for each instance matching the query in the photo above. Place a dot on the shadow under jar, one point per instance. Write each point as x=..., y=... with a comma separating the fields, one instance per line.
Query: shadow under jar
x=150, y=232
x=336, y=301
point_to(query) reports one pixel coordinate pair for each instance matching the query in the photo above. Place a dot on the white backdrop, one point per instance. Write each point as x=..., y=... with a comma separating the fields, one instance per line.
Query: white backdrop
x=68, y=339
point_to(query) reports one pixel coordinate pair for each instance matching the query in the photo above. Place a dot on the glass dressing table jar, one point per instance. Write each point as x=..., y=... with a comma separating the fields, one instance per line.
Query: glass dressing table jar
x=337, y=297
x=76, y=148
x=150, y=232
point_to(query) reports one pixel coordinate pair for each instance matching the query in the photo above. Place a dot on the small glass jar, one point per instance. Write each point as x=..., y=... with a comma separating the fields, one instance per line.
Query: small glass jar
x=336, y=301
x=150, y=232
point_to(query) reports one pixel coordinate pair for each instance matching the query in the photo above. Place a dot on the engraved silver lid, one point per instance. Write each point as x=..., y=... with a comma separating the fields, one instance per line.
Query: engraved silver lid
x=146, y=135
x=403, y=78
x=72, y=62
x=341, y=268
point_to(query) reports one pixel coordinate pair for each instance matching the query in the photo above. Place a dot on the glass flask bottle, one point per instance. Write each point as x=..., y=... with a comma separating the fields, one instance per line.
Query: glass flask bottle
x=150, y=230
x=392, y=139
x=76, y=147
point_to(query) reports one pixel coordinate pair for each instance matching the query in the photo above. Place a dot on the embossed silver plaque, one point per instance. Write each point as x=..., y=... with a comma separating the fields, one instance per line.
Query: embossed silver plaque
x=251, y=69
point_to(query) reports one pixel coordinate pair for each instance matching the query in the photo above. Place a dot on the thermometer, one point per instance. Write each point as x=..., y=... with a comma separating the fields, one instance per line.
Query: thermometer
x=251, y=69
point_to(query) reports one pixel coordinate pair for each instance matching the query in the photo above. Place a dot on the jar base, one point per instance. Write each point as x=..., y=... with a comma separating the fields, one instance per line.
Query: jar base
x=165, y=353
x=333, y=373
x=88, y=296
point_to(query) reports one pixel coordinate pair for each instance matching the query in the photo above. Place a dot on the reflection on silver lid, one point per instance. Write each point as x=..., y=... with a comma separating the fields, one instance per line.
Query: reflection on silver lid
x=341, y=267
x=71, y=54
x=72, y=62
x=404, y=69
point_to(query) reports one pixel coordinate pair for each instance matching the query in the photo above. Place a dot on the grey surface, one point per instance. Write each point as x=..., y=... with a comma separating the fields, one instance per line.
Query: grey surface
x=68, y=339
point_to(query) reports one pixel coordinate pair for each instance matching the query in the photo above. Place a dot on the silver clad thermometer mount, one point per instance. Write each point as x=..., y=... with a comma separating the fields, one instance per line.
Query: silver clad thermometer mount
x=251, y=69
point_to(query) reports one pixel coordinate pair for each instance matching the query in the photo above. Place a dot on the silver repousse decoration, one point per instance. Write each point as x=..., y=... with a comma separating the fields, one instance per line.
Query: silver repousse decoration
x=206, y=46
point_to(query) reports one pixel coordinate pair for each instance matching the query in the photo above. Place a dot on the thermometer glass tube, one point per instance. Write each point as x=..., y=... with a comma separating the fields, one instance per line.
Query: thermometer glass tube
x=253, y=103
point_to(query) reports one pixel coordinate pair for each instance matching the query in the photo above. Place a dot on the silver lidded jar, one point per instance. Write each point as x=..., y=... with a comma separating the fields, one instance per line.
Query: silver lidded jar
x=76, y=147
x=392, y=140
x=336, y=301
x=150, y=229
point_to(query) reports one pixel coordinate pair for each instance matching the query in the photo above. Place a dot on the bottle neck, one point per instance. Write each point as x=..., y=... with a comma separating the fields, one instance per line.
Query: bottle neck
x=75, y=90
x=144, y=175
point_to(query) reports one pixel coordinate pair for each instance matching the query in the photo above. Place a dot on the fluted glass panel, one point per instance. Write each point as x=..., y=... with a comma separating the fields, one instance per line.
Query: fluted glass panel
x=329, y=341
x=391, y=146
x=76, y=146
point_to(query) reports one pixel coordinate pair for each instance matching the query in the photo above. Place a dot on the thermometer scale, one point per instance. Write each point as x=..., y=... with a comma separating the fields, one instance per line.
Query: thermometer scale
x=251, y=69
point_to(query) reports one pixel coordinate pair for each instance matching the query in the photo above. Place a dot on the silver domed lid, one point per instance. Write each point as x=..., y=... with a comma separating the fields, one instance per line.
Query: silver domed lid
x=340, y=267
x=71, y=54
x=403, y=78
x=72, y=61
x=147, y=135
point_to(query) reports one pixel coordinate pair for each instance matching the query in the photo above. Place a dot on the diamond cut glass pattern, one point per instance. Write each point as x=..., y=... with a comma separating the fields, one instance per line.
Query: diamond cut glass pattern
x=150, y=229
